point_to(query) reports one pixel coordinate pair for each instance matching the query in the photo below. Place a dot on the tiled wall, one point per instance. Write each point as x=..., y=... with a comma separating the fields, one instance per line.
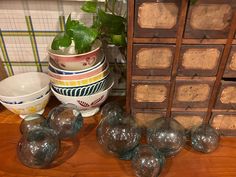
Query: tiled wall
x=27, y=27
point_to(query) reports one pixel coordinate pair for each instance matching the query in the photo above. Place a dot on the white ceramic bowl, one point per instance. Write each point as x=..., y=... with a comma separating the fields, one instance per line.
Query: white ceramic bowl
x=24, y=87
x=55, y=68
x=77, y=61
x=31, y=107
x=80, y=82
x=89, y=105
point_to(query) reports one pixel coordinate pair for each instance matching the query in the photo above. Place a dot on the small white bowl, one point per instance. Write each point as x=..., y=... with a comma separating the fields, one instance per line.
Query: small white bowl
x=77, y=61
x=30, y=107
x=24, y=87
x=89, y=105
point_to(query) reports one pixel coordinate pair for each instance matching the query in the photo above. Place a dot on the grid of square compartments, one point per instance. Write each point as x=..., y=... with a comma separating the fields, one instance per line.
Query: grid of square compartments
x=182, y=62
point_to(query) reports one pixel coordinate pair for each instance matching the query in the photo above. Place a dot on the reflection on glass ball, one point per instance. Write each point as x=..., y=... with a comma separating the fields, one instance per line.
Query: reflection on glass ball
x=118, y=135
x=167, y=135
x=38, y=148
x=66, y=120
x=32, y=121
x=205, y=138
x=111, y=108
x=147, y=161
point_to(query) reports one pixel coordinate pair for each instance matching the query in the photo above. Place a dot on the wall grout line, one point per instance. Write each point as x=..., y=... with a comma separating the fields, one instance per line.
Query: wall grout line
x=33, y=43
x=5, y=55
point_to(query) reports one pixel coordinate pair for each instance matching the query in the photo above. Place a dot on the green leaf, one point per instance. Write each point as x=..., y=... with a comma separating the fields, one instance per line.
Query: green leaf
x=71, y=25
x=90, y=6
x=111, y=24
x=61, y=40
x=84, y=38
x=118, y=40
x=192, y=2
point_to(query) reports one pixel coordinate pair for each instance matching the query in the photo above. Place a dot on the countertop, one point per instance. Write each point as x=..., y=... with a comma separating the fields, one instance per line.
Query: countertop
x=91, y=161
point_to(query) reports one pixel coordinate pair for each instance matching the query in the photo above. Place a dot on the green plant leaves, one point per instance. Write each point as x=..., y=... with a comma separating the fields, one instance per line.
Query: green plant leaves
x=90, y=6
x=84, y=38
x=61, y=40
x=82, y=35
x=71, y=25
x=111, y=24
x=192, y=2
x=118, y=40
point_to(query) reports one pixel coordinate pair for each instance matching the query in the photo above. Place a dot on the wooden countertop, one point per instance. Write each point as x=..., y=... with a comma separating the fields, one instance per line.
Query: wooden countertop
x=90, y=161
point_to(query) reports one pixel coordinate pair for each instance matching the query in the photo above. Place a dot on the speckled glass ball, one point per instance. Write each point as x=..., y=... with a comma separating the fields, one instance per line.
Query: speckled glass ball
x=166, y=135
x=205, y=138
x=111, y=108
x=32, y=121
x=38, y=147
x=66, y=120
x=118, y=135
x=147, y=161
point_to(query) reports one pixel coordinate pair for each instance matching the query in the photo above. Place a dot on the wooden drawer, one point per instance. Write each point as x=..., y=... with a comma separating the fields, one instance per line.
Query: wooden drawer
x=149, y=93
x=152, y=59
x=191, y=93
x=226, y=98
x=224, y=121
x=189, y=118
x=230, y=70
x=209, y=19
x=199, y=60
x=156, y=19
x=145, y=117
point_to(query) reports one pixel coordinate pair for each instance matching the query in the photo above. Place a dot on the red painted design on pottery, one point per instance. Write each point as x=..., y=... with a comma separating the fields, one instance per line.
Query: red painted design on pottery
x=82, y=103
x=97, y=101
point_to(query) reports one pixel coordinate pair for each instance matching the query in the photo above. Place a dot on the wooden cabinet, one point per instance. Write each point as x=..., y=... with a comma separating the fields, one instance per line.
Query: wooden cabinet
x=209, y=19
x=230, y=71
x=156, y=19
x=199, y=60
x=152, y=59
x=178, y=55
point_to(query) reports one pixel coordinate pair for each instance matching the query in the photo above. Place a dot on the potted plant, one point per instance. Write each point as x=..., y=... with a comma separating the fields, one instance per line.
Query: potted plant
x=111, y=22
x=77, y=47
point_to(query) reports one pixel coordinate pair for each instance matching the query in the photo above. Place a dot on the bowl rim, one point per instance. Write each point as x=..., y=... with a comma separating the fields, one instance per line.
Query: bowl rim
x=72, y=72
x=99, y=45
x=28, y=102
x=103, y=91
x=79, y=87
x=66, y=77
x=29, y=94
x=105, y=72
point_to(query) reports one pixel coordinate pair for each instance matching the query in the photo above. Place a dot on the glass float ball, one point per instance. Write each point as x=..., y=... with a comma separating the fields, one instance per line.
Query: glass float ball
x=205, y=138
x=167, y=135
x=66, y=120
x=118, y=135
x=111, y=108
x=32, y=121
x=38, y=148
x=147, y=161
